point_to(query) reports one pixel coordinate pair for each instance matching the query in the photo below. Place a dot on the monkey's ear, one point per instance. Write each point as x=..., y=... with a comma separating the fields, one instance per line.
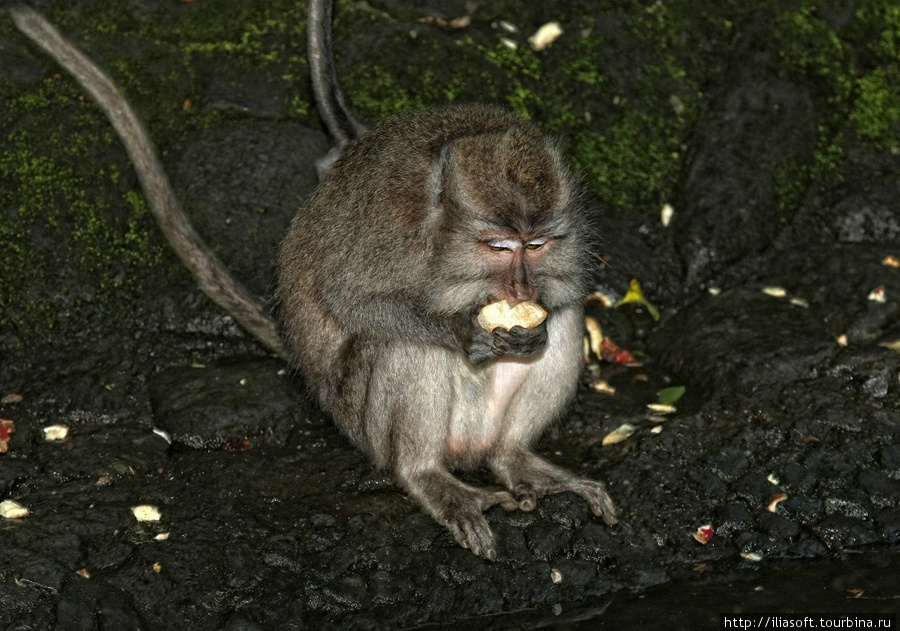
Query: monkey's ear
x=441, y=179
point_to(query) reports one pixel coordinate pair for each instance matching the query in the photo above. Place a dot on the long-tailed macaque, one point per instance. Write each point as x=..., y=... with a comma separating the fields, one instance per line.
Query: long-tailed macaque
x=420, y=223
x=429, y=217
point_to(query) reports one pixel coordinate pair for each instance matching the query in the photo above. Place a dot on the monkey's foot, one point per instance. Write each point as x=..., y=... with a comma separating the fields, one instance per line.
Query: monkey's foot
x=460, y=508
x=529, y=477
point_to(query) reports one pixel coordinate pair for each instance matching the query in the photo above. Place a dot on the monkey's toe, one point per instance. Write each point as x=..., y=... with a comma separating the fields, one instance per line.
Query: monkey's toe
x=599, y=500
x=526, y=497
x=475, y=534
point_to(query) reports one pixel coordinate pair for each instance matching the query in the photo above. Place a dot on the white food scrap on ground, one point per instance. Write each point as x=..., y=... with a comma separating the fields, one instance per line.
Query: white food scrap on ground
x=10, y=509
x=545, y=35
x=775, y=501
x=878, y=294
x=56, y=432
x=666, y=214
x=146, y=512
x=619, y=434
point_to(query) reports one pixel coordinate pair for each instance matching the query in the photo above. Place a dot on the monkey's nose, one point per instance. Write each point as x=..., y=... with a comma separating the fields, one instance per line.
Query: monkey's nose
x=522, y=293
x=513, y=300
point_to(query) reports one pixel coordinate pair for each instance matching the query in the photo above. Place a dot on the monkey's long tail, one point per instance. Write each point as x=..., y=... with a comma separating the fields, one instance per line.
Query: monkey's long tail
x=211, y=275
x=333, y=108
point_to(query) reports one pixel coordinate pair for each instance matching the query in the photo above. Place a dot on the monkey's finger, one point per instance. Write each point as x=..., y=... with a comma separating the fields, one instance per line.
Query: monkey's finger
x=519, y=341
x=480, y=348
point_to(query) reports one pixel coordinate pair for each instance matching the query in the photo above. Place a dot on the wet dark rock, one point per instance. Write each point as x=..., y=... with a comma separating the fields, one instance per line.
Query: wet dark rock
x=878, y=384
x=447, y=9
x=794, y=476
x=414, y=532
x=243, y=565
x=224, y=404
x=348, y=593
x=530, y=582
x=594, y=543
x=755, y=488
x=648, y=575
x=626, y=255
x=763, y=544
x=577, y=573
x=547, y=540
x=239, y=86
x=728, y=202
x=709, y=485
x=74, y=615
x=778, y=526
x=239, y=623
x=880, y=484
x=735, y=517
x=889, y=522
x=841, y=531
x=114, y=617
x=804, y=509
x=876, y=322
x=511, y=540
x=729, y=464
x=808, y=545
x=394, y=558
x=480, y=598
x=742, y=340
x=566, y=509
x=869, y=215
x=242, y=184
x=890, y=457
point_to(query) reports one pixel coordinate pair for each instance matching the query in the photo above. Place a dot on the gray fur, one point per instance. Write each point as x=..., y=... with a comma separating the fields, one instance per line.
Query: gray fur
x=380, y=279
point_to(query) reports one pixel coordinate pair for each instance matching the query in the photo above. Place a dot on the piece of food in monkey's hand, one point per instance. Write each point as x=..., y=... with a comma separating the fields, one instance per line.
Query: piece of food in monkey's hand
x=499, y=314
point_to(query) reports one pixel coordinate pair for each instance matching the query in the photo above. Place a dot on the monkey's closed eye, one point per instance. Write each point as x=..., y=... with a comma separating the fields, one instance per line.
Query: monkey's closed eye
x=537, y=244
x=502, y=245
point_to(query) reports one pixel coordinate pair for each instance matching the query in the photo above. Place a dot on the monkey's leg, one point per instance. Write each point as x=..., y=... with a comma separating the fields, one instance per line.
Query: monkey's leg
x=549, y=386
x=410, y=419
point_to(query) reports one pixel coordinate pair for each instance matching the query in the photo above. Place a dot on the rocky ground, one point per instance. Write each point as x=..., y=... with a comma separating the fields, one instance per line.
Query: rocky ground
x=768, y=127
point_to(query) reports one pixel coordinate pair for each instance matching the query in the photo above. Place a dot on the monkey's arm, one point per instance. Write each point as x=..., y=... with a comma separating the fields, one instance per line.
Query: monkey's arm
x=212, y=276
x=391, y=319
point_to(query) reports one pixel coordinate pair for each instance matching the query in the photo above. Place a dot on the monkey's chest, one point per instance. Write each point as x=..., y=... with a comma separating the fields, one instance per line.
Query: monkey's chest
x=483, y=407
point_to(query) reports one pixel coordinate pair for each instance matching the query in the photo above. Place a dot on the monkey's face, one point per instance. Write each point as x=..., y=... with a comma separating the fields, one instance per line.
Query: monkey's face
x=510, y=228
x=511, y=259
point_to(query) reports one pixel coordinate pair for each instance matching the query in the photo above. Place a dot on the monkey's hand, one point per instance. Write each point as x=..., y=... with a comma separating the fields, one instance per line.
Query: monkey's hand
x=515, y=342
x=519, y=341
